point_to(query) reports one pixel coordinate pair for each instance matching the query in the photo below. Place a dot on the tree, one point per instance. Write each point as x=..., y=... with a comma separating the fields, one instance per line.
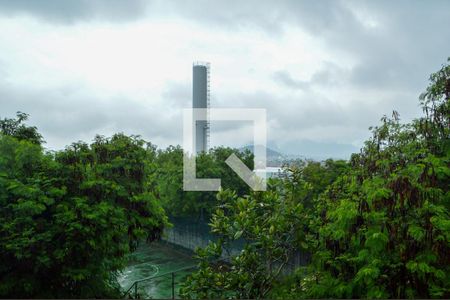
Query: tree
x=179, y=203
x=376, y=228
x=384, y=227
x=16, y=128
x=273, y=225
x=69, y=219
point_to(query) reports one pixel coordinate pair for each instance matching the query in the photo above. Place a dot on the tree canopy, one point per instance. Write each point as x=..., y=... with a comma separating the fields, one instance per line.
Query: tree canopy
x=68, y=219
x=376, y=228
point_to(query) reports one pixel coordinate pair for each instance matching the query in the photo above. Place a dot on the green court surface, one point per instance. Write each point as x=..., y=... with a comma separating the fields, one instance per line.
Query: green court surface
x=157, y=259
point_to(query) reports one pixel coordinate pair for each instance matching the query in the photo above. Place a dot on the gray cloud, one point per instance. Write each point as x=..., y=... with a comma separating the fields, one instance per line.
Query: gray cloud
x=64, y=115
x=328, y=76
x=316, y=16
x=408, y=39
x=286, y=79
x=178, y=94
x=393, y=45
x=70, y=11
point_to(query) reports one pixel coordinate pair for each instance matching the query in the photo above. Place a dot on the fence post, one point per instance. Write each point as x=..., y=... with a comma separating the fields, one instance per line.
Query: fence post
x=173, y=285
x=135, y=290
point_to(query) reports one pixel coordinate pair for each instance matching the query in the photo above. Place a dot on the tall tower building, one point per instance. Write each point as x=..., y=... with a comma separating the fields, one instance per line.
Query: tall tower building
x=200, y=99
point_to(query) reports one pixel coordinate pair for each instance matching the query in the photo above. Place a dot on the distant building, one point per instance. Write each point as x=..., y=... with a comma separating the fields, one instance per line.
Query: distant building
x=271, y=172
x=201, y=99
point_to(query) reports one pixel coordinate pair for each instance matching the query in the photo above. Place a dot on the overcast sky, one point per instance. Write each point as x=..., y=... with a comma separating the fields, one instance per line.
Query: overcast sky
x=324, y=70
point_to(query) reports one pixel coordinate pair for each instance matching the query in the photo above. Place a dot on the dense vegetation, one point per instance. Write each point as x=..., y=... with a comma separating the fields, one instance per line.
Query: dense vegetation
x=376, y=226
x=68, y=219
x=211, y=165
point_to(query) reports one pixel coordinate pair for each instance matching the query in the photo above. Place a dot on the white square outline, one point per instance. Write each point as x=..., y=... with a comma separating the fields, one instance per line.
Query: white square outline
x=192, y=115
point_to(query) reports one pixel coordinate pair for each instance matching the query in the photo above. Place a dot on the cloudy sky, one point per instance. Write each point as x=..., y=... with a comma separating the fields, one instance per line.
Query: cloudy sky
x=324, y=70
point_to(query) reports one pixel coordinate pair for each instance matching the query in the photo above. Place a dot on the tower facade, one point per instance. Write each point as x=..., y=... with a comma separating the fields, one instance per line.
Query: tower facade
x=201, y=99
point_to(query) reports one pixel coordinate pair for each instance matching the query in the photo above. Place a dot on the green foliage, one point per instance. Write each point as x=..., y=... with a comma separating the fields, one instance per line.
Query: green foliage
x=265, y=222
x=169, y=174
x=68, y=219
x=16, y=128
x=383, y=231
x=271, y=223
x=377, y=227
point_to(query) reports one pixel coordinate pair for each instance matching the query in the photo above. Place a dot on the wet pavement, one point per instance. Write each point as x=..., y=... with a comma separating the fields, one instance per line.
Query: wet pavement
x=157, y=259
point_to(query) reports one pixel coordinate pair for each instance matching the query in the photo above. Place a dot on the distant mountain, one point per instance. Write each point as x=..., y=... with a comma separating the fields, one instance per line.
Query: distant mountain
x=277, y=159
x=273, y=158
x=269, y=152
